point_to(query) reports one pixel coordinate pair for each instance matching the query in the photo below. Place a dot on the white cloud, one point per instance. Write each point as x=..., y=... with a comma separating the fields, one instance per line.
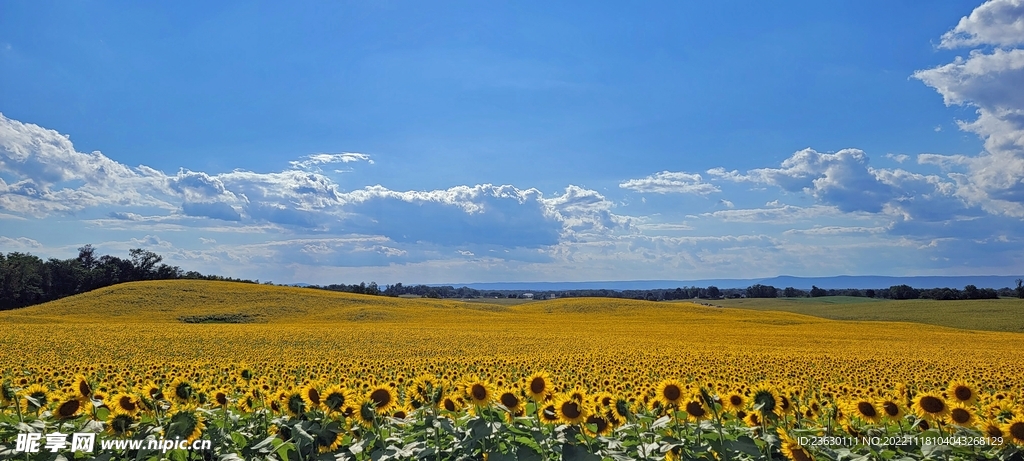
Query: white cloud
x=151, y=241
x=990, y=82
x=664, y=227
x=996, y=22
x=50, y=176
x=7, y=244
x=314, y=161
x=843, y=179
x=836, y=230
x=899, y=158
x=671, y=182
x=944, y=161
x=776, y=214
x=125, y=215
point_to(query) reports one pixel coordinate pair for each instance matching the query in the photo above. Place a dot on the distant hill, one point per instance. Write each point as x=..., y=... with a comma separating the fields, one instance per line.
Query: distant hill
x=804, y=283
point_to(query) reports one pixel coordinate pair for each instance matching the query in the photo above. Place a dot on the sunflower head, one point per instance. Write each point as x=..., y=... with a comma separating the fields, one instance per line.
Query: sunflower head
x=82, y=387
x=753, y=419
x=548, y=413
x=185, y=423
x=35, y=398
x=1013, y=431
x=220, y=397
x=335, y=398
x=294, y=405
x=382, y=398
x=426, y=390
x=597, y=424
x=538, y=386
x=961, y=415
x=570, y=411
x=766, y=401
x=930, y=406
x=69, y=406
x=791, y=449
x=992, y=430
x=670, y=393
x=7, y=393
x=366, y=414
x=866, y=409
x=734, y=401
x=311, y=396
x=510, y=401
x=960, y=391
x=182, y=391
x=695, y=408
x=450, y=403
x=479, y=392
x=120, y=423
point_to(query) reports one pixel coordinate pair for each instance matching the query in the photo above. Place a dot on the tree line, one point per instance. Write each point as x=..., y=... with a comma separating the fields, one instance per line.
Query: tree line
x=893, y=292
x=680, y=293
x=26, y=279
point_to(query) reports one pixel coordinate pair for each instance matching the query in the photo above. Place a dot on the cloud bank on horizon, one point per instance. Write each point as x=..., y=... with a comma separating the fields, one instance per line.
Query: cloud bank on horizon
x=315, y=220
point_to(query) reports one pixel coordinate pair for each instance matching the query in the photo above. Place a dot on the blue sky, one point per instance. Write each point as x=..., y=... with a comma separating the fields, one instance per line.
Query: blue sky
x=471, y=142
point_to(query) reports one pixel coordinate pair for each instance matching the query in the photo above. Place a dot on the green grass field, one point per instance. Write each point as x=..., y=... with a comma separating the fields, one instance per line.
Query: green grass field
x=1005, y=314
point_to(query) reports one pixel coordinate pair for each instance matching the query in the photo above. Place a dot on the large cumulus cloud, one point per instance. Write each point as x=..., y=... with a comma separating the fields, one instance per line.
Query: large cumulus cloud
x=989, y=79
x=43, y=174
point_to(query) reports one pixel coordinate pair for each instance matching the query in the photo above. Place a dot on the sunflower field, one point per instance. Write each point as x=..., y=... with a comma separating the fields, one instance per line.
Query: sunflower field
x=277, y=373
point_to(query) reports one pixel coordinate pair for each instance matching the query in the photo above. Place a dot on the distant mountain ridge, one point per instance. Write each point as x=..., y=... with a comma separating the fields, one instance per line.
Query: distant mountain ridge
x=782, y=281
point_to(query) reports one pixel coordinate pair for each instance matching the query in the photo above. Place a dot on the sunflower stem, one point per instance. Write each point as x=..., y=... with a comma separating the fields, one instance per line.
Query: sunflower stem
x=718, y=423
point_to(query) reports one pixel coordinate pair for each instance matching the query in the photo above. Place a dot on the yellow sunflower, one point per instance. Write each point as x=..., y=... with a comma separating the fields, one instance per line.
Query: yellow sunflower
x=293, y=404
x=335, y=398
x=930, y=406
x=570, y=411
x=220, y=398
x=538, y=386
x=597, y=424
x=960, y=415
x=993, y=431
x=181, y=390
x=451, y=403
x=753, y=419
x=960, y=391
x=766, y=400
x=383, y=398
x=865, y=409
x=548, y=413
x=426, y=390
x=734, y=401
x=34, y=398
x=695, y=408
x=510, y=401
x=791, y=449
x=891, y=409
x=82, y=387
x=670, y=393
x=311, y=395
x=1014, y=430
x=120, y=423
x=69, y=406
x=479, y=392
x=186, y=423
